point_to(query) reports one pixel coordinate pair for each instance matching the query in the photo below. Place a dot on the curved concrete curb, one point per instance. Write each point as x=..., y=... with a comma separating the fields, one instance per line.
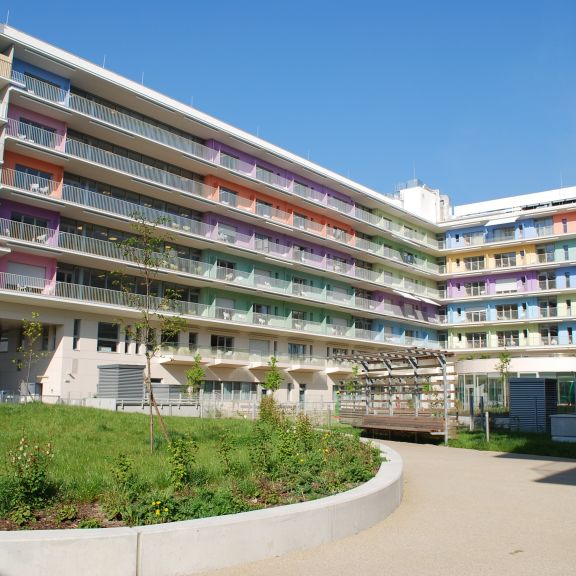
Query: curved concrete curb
x=205, y=544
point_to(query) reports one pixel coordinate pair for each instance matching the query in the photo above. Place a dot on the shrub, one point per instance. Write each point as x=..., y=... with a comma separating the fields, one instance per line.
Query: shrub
x=21, y=514
x=181, y=458
x=67, y=513
x=89, y=523
x=29, y=466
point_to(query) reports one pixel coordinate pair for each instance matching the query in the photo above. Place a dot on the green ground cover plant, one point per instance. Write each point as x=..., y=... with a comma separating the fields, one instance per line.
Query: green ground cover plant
x=514, y=442
x=93, y=468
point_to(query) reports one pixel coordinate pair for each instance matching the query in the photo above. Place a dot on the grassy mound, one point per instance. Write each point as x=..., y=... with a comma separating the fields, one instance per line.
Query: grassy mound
x=79, y=467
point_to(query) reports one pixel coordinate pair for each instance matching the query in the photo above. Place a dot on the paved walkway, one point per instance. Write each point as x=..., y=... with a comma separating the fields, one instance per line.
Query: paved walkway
x=464, y=513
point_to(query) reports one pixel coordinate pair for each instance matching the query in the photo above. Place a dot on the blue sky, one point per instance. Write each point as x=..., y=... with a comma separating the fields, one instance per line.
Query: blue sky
x=475, y=97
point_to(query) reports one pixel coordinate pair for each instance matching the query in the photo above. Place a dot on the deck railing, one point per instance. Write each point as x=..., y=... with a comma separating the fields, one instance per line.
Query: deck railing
x=189, y=146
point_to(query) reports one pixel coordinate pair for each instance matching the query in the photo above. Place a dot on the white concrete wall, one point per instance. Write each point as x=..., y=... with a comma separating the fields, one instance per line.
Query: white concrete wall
x=529, y=364
x=205, y=544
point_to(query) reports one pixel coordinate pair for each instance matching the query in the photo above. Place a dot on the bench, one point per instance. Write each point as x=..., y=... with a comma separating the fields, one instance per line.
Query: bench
x=424, y=423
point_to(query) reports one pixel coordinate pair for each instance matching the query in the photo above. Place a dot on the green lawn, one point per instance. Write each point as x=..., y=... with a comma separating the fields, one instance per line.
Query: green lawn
x=102, y=470
x=514, y=442
x=87, y=442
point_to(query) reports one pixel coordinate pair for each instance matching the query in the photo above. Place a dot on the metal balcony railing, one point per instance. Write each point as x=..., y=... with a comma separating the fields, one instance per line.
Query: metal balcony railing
x=17, y=283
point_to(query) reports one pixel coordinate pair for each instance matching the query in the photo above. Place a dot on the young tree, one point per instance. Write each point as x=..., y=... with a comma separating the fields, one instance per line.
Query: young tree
x=503, y=366
x=273, y=379
x=195, y=375
x=149, y=250
x=28, y=350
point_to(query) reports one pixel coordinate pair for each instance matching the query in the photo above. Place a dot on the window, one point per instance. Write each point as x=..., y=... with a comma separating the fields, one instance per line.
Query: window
x=262, y=242
x=548, y=307
x=229, y=161
x=408, y=257
x=502, y=234
x=265, y=175
x=547, y=281
x=549, y=335
x=224, y=308
x=221, y=343
x=107, y=337
x=543, y=226
x=169, y=339
x=296, y=350
x=505, y=285
x=45, y=339
x=33, y=124
x=299, y=253
x=363, y=324
x=259, y=348
x=545, y=253
x=506, y=312
x=338, y=326
x=228, y=197
x=263, y=209
x=300, y=220
x=298, y=319
x=225, y=270
x=76, y=334
x=192, y=341
x=508, y=338
x=21, y=169
x=127, y=339
x=299, y=285
x=301, y=189
x=476, y=315
x=26, y=219
x=473, y=238
x=39, y=133
x=261, y=313
x=340, y=234
x=564, y=225
x=227, y=233
x=476, y=340
x=338, y=351
x=474, y=263
x=505, y=260
x=242, y=391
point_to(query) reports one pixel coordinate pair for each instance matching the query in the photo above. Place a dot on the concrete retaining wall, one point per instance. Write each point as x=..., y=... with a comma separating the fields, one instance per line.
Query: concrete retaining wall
x=205, y=544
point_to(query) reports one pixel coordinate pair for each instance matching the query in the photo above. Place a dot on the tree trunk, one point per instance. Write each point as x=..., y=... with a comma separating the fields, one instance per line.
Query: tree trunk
x=150, y=400
x=154, y=405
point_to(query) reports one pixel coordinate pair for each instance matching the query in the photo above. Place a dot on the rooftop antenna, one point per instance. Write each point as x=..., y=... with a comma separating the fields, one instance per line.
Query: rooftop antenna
x=7, y=17
x=104, y=62
x=258, y=131
x=414, y=169
x=192, y=101
x=561, y=181
x=142, y=80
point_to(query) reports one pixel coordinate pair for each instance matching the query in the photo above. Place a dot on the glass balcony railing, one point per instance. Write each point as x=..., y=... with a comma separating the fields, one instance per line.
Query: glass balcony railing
x=531, y=341
x=171, y=262
x=189, y=146
x=25, y=285
x=83, y=197
x=113, y=161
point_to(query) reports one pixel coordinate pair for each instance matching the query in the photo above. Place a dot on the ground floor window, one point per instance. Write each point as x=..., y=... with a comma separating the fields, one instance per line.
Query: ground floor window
x=231, y=391
x=107, y=337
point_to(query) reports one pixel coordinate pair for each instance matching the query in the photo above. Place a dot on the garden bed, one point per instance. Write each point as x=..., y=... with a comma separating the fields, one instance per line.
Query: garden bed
x=101, y=473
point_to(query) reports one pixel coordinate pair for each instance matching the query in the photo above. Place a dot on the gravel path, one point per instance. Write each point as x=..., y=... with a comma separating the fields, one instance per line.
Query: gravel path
x=463, y=513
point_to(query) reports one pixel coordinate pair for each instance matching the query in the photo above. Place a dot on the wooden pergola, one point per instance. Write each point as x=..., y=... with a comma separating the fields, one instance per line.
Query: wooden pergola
x=403, y=390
